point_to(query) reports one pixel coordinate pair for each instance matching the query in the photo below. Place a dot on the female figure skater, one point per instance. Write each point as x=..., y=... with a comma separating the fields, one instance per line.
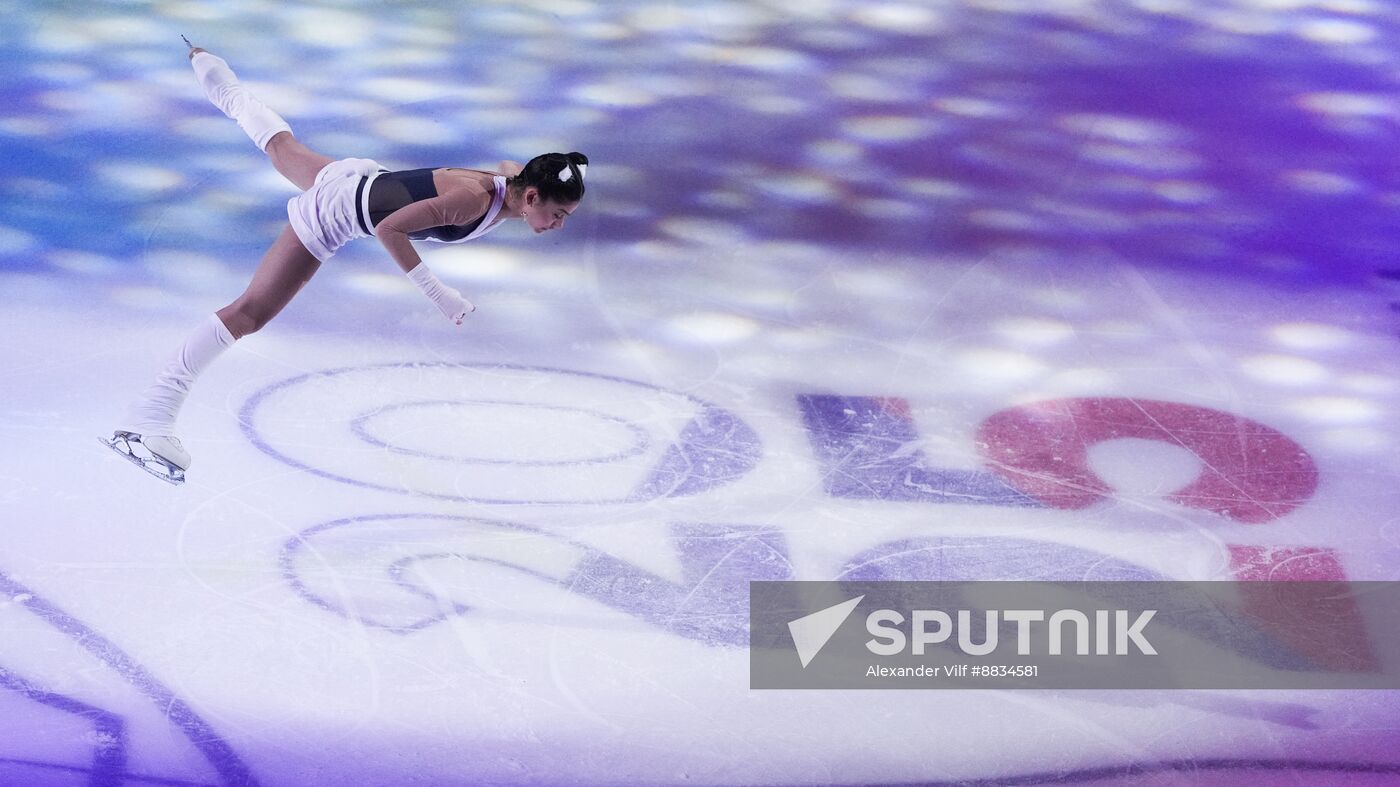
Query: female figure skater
x=340, y=201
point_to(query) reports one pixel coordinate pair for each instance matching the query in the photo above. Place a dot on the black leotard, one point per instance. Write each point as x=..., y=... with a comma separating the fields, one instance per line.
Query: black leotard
x=393, y=190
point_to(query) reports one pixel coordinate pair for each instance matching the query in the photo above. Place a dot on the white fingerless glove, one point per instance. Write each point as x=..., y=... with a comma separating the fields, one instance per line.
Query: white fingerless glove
x=449, y=301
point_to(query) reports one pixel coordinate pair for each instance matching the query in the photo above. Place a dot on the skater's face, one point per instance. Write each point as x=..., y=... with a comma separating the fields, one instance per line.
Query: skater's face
x=543, y=215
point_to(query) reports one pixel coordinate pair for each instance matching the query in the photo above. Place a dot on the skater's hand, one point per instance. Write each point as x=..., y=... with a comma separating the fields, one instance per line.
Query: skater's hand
x=453, y=305
x=450, y=302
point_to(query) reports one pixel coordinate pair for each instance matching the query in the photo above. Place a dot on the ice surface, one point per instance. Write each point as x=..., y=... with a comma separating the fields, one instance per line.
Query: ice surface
x=988, y=290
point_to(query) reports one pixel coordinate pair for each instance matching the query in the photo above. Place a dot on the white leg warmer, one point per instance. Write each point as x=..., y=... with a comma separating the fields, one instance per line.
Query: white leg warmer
x=224, y=91
x=155, y=412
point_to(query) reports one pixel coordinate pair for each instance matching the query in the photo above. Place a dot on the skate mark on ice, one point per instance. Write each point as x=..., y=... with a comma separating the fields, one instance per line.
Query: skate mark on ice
x=108, y=730
x=215, y=750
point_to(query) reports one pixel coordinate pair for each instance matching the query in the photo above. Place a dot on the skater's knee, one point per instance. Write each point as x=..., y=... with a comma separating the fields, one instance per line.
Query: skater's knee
x=243, y=318
x=256, y=320
x=278, y=142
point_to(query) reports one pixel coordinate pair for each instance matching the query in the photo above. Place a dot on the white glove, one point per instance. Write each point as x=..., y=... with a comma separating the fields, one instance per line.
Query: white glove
x=449, y=301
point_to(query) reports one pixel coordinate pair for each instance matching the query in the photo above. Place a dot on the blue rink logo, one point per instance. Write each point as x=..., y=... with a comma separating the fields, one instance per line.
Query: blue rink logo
x=500, y=434
x=1068, y=635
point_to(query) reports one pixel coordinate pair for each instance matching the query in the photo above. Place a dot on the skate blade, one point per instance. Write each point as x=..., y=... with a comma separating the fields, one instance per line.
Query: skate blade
x=162, y=470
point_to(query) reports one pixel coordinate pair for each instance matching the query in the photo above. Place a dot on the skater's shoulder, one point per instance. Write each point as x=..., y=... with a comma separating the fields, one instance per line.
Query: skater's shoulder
x=451, y=178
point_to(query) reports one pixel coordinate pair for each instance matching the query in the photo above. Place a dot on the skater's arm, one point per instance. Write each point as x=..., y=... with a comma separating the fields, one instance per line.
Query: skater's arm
x=509, y=168
x=458, y=206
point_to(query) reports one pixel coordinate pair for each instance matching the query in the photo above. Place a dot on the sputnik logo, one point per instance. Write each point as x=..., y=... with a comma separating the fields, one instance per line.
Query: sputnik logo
x=810, y=633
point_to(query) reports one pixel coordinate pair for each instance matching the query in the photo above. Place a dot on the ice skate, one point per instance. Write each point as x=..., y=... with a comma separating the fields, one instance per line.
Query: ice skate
x=160, y=455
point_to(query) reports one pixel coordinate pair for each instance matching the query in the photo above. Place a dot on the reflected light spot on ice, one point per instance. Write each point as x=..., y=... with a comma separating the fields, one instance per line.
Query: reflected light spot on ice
x=1184, y=192
x=1243, y=23
x=30, y=126
x=602, y=31
x=704, y=232
x=889, y=128
x=989, y=366
x=897, y=18
x=376, y=284
x=727, y=200
x=761, y=58
x=1034, y=331
x=63, y=72
x=966, y=106
x=799, y=187
x=712, y=328
x=1347, y=104
x=936, y=189
x=612, y=94
x=868, y=87
x=1322, y=183
x=142, y=297
x=1080, y=382
x=84, y=263
x=776, y=105
x=400, y=90
x=1312, y=336
x=835, y=152
x=328, y=28
x=13, y=241
x=1006, y=219
x=1144, y=159
x=1373, y=384
x=1357, y=441
x=482, y=263
x=1284, y=369
x=1122, y=331
x=416, y=131
x=1121, y=129
x=1336, y=32
x=1335, y=409
x=190, y=271
x=142, y=178
x=891, y=209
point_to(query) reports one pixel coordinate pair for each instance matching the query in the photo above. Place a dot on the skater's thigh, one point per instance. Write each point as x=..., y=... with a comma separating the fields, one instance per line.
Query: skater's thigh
x=285, y=269
x=295, y=161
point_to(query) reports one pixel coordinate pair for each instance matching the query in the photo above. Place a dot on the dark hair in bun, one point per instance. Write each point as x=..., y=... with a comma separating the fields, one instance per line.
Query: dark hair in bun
x=557, y=176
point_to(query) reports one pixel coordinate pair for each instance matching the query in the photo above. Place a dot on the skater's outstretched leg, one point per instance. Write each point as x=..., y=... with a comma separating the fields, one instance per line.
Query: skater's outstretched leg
x=284, y=270
x=296, y=162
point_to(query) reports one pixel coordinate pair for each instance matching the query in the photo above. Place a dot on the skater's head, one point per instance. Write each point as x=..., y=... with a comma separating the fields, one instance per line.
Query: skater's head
x=549, y=188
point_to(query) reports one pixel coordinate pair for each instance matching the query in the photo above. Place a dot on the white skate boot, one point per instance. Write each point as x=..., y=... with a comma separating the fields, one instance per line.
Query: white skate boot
x=222, y=88
x=160, y=455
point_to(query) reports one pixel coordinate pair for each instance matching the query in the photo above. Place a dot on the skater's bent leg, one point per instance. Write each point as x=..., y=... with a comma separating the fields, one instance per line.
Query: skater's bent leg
x=284, y=270
x=295, y=161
